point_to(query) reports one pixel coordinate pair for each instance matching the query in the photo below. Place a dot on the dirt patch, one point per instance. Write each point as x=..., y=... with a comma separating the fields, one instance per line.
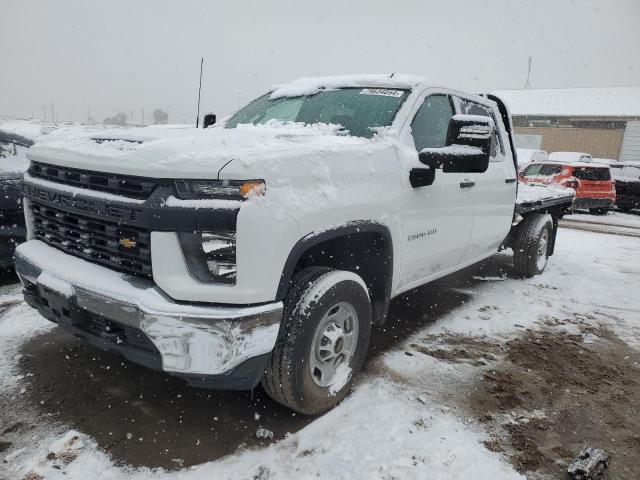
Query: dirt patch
x=458, y=348
x=555, y=393
x=138, y=416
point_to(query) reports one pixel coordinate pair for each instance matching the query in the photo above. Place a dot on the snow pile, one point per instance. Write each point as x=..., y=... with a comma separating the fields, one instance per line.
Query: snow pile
x=30, y=129
x=313, y=85
x=536, y=192
x=614, y=219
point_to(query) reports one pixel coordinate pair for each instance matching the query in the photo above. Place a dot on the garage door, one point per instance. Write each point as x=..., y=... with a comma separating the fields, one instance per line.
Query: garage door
x=631, y=143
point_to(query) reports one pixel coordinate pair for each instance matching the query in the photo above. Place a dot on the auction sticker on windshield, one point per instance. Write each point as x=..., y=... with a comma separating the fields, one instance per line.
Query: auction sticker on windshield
x=385, y=92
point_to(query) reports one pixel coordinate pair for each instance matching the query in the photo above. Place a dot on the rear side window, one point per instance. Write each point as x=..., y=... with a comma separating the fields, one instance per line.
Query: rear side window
x=589, y=173
x=472, y=108
x=544, y=170
x=550, y=170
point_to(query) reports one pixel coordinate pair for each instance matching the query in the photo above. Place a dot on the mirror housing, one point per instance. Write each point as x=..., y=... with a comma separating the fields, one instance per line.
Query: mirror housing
x=208, y=120
x=467, y=149
x=421, y=177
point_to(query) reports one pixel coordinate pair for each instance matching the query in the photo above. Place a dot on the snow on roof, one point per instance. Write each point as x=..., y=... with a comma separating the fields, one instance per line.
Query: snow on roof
x=312, y=85
x=569, y=157
x=25, y=128
x=588, y=102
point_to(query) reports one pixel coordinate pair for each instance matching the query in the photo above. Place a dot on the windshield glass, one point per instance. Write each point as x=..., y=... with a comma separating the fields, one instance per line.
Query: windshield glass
x=358, y=110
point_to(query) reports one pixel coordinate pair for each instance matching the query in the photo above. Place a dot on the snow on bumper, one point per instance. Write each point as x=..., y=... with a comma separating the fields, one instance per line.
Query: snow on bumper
x=191, y=339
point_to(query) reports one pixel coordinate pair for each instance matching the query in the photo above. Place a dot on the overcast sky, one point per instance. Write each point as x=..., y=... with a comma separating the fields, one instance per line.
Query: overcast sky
x=123, y=55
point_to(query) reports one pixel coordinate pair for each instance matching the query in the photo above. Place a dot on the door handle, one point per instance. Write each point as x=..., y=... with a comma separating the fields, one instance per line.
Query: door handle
x=509, y=180
x=467, y=184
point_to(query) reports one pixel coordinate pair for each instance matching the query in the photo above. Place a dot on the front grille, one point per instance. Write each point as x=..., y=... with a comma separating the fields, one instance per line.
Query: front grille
x=124, y=185
x=96, y=240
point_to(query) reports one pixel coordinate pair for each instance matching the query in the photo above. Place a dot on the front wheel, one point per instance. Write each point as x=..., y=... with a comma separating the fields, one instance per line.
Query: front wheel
x=322, y=341
x=533, y=244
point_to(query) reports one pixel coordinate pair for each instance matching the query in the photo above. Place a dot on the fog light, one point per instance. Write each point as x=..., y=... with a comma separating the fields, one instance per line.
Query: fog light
x=210, y=256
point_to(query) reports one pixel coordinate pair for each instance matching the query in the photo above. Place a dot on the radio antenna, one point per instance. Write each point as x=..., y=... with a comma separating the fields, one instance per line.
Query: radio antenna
x=199, y=91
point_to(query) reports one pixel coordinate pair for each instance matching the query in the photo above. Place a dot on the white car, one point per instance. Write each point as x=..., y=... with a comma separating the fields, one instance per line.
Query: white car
x=265, y=248
x=526, y=156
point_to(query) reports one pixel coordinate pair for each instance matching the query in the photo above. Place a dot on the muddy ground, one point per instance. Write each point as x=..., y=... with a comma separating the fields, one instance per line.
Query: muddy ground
x=548, y=394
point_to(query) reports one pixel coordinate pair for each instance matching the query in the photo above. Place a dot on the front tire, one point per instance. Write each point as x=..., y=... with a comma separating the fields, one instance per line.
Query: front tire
x=598, y=211
x=322, y=341
x=532, y=245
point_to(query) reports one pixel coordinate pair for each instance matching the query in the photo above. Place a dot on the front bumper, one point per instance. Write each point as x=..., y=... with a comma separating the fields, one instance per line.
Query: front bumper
x=208, y=345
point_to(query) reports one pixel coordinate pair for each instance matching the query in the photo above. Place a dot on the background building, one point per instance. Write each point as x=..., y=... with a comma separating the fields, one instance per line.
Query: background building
x=604, y=122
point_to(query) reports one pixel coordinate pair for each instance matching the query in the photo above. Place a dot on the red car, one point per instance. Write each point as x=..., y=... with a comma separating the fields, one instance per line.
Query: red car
x=595, y=190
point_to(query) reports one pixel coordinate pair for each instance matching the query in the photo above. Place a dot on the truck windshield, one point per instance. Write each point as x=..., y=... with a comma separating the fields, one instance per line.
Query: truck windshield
x=358, y=110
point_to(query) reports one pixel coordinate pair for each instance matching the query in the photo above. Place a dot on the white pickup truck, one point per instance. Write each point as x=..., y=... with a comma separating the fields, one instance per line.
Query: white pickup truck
x=264, y=248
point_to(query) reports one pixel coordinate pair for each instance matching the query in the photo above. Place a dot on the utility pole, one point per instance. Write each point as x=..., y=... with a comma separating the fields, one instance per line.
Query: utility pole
x=44, y=114
x=143, y=116
x=527, y=84
x=199, y=90
x=88, y=115
x=52, y=117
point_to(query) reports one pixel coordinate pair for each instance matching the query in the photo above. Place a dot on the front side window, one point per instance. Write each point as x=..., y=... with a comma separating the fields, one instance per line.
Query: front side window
x=431, y=122
x=358, y=110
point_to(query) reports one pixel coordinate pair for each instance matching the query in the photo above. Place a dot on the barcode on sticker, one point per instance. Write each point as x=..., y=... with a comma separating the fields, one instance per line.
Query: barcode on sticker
x=385, y=92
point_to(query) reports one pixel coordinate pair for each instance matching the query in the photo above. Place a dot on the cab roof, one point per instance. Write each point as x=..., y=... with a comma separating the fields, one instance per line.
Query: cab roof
x=313, y=85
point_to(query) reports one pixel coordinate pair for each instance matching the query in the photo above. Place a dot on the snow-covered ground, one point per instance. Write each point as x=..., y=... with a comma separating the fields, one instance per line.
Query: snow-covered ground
x=618, y=219
x=397, y=423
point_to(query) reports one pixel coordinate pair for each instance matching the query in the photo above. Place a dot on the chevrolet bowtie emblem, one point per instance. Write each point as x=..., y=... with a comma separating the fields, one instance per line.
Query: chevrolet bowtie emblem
x=126, y=243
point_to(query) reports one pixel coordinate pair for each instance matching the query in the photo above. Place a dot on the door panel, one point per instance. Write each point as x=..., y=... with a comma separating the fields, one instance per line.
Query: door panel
x=496, y=191
x=437, y=218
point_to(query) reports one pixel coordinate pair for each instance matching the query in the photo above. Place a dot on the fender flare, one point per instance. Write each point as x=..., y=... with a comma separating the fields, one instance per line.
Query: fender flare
x=380, y=305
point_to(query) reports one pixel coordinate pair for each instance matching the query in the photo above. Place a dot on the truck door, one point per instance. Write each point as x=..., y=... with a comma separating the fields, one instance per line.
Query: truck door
x=496, y=190
x=438, y=217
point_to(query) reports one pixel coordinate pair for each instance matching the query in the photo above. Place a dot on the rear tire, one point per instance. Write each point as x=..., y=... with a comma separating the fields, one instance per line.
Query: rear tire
x=532, y=245
x=327, y=313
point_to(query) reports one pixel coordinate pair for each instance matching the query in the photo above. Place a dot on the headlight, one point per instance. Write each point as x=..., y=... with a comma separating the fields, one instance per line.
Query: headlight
x=210, y=256
x=223, y=189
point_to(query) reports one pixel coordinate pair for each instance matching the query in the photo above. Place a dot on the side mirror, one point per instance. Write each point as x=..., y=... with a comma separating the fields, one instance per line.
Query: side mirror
x=208, y=120
x=467, y=149
x=421, y=177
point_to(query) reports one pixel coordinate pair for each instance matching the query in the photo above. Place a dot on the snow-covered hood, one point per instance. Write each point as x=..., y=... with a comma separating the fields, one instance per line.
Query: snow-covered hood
x=186, y=152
